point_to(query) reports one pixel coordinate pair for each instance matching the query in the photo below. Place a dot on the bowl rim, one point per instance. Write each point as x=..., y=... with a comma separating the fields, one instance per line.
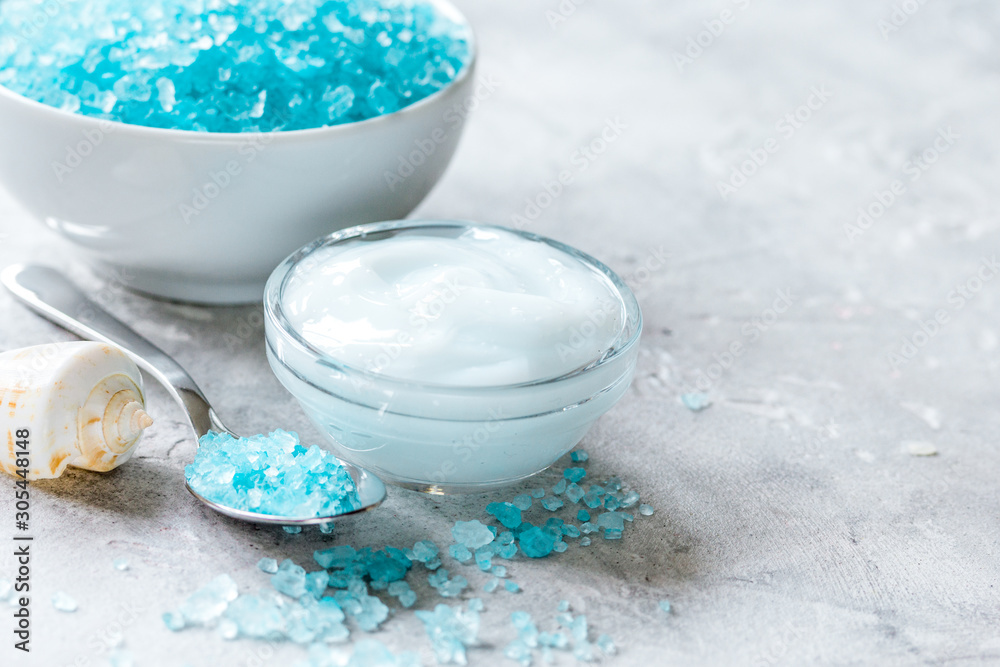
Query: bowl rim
x=193, y=136
x=276, y=322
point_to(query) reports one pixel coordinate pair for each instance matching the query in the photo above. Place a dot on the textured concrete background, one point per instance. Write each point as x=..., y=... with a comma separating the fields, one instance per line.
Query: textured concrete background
x=792, y=524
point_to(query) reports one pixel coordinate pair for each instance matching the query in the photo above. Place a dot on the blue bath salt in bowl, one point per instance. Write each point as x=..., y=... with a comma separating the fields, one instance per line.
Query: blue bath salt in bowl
x=231, y=65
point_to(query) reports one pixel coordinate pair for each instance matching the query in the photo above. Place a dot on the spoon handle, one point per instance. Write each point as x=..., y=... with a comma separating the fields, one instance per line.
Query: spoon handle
x=54, y=297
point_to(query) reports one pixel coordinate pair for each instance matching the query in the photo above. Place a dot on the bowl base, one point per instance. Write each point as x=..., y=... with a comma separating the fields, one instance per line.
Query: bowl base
x=457, y=489
x=180, y=289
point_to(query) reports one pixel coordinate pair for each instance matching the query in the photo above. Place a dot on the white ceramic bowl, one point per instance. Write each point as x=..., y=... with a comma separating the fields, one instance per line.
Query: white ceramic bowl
x=205, y=217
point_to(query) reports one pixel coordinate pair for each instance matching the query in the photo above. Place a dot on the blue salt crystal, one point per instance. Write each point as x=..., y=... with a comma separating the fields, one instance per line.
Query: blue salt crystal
x=272, y=475
x=556, y=640
x=367, y=653
x=120, y=657
x=560, y=487
x=612, y=534
x=583, y=651
x=425, y=551
x=508, y=514
x=173, y=620
x=507, y=551
x=578, y=628
x=209, y=602
x=695, y=401
x=433, y=564
x=607, y=645
x=536, y=542
x=554, y=523
x=290, y=579
x=614, y=485
x=522, y=502
x=537, y=493
x=460, y=552
x=570, y=531
x=292, y=530
x=500, y=571
x=584, y=541
x=256, y=65
x=504, y=538
x=611, y=520
x=316, y=583
x=511, y=586
x=472, y=534
x=592, y=499
x=583, y=515
x=563, y=605
x=612, y=503
x=574, y=474
x=484, y=556
x=587, y=527
x=256, y=616
x=451, y=630
x=665, y=606
x=631, y=498
x=560, y=547
x=335, y=557
x=268, y=565
x=579, y=455
x=518, y=651
x=574, y=492
x=492, y=584
x=120, y=564
x=646, y=510
x=63, y=602
x=551, y=503
x=327, y=528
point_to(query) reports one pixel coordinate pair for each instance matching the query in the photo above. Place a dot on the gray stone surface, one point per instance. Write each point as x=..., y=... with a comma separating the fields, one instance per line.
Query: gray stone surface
x=792, y=524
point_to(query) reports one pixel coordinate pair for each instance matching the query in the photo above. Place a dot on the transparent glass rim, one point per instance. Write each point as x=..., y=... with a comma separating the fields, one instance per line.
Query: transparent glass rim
x=274, y=314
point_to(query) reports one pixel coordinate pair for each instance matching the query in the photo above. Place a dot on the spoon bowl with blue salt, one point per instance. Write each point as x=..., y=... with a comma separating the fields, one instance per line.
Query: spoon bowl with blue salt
x=266, y=479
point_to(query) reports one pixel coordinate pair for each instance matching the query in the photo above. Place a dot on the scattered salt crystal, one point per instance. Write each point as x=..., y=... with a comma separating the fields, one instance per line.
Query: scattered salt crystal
x=695, y=401
x=472, y=534
x=64, y=602
x=522, y=502
x=551, y=503
x=120, y=564
x=537, y=493
x=665, y=606
x=579, y=455
x=646, y=510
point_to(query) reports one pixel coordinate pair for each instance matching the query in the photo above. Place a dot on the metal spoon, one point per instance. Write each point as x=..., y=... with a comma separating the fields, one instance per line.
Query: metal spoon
x=54, y=297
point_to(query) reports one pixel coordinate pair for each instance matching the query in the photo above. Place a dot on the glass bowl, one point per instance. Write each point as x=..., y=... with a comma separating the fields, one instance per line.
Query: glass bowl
x=440, y=438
